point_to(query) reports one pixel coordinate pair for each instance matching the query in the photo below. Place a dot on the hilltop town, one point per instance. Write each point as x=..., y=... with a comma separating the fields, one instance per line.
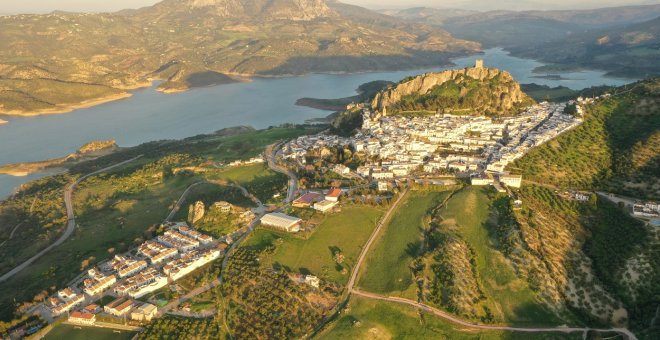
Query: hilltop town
x=408, y=146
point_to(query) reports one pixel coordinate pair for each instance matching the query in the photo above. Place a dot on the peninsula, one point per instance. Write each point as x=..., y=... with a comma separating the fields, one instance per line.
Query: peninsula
x=87, y=152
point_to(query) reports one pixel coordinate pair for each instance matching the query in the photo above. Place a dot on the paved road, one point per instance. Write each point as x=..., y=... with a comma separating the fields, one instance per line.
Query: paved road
x=458, y=321
x=616, y=198
x=71, y=223
x=271, y=153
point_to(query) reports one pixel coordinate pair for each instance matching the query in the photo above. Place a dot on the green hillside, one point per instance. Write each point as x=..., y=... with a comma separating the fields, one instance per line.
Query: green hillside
x=617, y=148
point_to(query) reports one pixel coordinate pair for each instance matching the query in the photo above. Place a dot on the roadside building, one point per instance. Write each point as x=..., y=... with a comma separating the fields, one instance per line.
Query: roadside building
x=333, y=195
x=92, y=309
x=281, y=221
x=325, y=206
x=82, y=318
x=481, y=180
x=306, y=200
x=145, y=312
x=514, y=181
x=143, y=283
x=119, y=307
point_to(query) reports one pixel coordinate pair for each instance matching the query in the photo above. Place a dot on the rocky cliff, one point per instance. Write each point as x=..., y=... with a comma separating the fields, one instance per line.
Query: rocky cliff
x=476, y=90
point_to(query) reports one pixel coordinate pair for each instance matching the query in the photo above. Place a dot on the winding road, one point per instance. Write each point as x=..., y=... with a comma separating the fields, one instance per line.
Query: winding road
x=449, y=317
x=271, y=154
x=71, y=219
x=437, y=312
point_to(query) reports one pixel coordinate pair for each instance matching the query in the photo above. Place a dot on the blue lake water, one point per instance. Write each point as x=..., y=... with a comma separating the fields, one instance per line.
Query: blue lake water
x=149, y=115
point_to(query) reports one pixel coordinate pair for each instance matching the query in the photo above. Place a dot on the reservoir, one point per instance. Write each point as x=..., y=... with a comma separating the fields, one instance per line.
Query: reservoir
x=149, y=115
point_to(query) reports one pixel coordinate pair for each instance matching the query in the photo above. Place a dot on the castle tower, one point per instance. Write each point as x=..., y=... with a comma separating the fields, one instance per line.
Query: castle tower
x=479, y=63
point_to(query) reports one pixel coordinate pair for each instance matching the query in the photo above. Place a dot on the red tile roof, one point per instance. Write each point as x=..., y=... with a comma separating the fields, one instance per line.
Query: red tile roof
x=80, y=315
x=334, y=192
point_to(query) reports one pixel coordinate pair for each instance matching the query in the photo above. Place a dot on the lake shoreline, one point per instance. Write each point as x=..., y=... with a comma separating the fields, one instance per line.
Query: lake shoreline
x=238, y=77
x=61, y=109
x=61, y=164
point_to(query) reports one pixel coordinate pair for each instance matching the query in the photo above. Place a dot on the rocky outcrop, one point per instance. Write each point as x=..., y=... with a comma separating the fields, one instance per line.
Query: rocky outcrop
x=494, y=91
x=196, y=212
x=97, y=145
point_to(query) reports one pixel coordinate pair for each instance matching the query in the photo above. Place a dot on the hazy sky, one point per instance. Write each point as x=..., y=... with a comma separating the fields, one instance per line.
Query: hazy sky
x=40, y=6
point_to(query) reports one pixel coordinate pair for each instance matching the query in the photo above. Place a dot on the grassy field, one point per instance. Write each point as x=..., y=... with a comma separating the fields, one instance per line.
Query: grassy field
x=258, y=179
x=346, y=232
x=369, y=319
x=509, y=298
x=387, y=266
x=70, y=332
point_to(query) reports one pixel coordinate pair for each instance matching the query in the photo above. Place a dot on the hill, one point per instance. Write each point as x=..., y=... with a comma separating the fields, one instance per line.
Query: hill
x=617, y=149
x=519, y=28
x=623, y=51
x=57, y=61
x=474, y=90
x=621, y=40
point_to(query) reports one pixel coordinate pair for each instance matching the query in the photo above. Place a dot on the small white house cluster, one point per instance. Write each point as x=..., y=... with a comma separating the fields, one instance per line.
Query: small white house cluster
x=154, y=264
x=254, y=160
x=646, y=209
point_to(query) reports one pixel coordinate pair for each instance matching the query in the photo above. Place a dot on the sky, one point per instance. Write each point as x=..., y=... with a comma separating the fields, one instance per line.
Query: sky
x=44, y=6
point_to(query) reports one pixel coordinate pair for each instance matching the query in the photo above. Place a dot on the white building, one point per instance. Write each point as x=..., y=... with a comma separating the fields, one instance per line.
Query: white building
x=514, y=181
x=325, y=206
x=95, y=286
x=146, y=312
x=281, y=221
x=82, y=318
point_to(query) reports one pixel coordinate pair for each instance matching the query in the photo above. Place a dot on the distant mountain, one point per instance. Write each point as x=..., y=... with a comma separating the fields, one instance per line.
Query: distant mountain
x=430, y=16
x=621, y=40
x=56, y=62
x=633, y=50
x=513, y=29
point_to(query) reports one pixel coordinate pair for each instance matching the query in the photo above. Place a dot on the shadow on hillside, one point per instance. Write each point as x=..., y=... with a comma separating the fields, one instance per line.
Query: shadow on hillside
x=411, y=60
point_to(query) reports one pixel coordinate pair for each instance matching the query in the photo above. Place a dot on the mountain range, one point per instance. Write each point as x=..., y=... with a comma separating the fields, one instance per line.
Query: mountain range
x=620, y=40
x=60, y=61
